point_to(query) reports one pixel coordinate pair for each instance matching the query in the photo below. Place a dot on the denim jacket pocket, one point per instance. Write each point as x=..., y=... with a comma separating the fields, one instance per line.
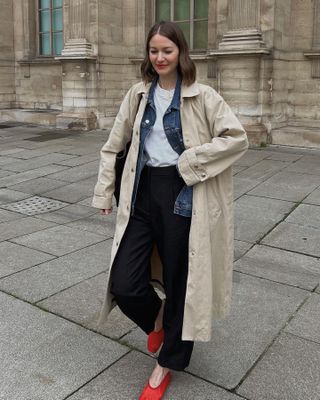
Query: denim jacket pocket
x=183, y=203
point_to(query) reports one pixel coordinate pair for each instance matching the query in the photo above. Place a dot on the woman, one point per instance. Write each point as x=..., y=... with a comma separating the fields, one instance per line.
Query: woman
x=174, y=222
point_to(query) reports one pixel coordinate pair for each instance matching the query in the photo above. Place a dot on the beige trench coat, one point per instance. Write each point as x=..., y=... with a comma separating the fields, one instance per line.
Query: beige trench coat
x=214, y=139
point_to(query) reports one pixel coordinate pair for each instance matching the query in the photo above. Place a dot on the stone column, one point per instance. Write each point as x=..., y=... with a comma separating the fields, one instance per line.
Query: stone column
x=79, y=68
x=241, y=72
x=243, y=26
x=314, y=54
x=77, y=43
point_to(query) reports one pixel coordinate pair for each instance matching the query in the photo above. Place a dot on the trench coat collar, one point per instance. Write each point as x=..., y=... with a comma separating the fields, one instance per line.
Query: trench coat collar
x=186, y=91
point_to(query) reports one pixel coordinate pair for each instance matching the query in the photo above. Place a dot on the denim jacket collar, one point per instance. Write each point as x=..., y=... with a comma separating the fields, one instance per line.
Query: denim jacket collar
x=175, y=103
x=186, y=91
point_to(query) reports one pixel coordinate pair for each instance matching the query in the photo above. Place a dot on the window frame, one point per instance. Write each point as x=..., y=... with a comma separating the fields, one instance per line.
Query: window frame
x=51, y=32
x=191, y=22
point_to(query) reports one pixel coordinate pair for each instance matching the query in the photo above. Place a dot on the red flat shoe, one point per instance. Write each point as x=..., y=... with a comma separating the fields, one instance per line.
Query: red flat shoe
x=150, y=393
x=155, y=339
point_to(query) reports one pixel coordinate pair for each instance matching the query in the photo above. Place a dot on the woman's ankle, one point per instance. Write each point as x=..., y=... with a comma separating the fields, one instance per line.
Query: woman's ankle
x=159, y=320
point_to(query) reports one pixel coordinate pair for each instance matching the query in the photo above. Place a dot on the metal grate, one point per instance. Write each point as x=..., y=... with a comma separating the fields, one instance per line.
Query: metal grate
x=35, y=205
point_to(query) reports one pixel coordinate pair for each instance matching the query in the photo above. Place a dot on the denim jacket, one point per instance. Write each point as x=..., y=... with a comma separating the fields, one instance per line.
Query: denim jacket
x=173, y=131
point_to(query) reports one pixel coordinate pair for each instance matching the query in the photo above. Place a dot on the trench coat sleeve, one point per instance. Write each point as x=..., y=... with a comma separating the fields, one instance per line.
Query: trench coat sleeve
x=120, y=135
x=229, y=143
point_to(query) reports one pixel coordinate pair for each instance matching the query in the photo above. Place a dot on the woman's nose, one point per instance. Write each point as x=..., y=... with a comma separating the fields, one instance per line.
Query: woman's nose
x=160, y=57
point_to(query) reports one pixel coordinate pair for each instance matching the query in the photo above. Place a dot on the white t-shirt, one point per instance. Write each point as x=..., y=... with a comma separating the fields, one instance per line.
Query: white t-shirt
x=157, y=148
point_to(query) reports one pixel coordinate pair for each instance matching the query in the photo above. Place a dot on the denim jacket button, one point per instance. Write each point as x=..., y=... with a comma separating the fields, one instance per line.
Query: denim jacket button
x=146, y=121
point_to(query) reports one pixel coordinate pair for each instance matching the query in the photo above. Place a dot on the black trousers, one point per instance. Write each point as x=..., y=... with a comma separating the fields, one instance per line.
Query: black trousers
x=154, y=222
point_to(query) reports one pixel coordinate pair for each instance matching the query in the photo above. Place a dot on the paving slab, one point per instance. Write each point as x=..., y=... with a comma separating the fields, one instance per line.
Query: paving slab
x=281, y=266
x=260, y=309
x=308, y=164
x=4, y=173
x=12, y=229
x=26, y=154
x=297, y=238
x=306, y=323
x=10, y=263
x=46, y=357
x=38, y=185
x=287, y=185
x=8, y=150
x=240, y=248
x=80, y=160
x=251, y=157
x=263, y=170
x=67, y=214
x=288, y=371
x=243, y=185
x=28, y=175
x=282, y=156
x=73, y=192
x=9, y=196
x=58, y=240
x=100, y=224
x=36, y=162
x=77, y=173
x=6, y=160
x=127, y=378
x=313, y=198
x=255, y=216
x=42, y=281
x=84, y=303
x=6, y=215
x=306, y=215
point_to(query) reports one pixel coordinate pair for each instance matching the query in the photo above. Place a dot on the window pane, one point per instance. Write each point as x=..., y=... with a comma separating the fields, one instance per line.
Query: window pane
x=44, y=3
x=44, y=17
x=57, y=43
x=45, y=44
x=163, y=10
x=200, y=9
x=185, y=27
x=56, y=3
x=57, y=20
x=200, y=35
x=181, y=10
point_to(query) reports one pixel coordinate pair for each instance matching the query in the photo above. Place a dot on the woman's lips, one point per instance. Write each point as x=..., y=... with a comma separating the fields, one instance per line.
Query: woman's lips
x=160, y=66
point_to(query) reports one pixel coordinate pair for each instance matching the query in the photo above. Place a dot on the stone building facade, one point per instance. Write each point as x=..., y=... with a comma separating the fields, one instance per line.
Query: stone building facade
x=262, y=56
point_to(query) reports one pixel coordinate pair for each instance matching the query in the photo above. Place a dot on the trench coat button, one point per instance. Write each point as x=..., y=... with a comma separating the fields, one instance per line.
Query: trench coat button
x=137, y=133
x=193, y=253
x=128, y=207
x=203, y=175
x=196, y=166
x=132, y=170
x=117, y=244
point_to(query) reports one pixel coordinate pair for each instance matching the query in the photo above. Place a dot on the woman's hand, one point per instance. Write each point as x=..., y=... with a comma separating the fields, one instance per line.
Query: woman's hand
x=106, y=211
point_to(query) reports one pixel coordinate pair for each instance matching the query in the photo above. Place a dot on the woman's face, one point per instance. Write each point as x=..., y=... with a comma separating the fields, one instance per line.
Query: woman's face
x=164, y=56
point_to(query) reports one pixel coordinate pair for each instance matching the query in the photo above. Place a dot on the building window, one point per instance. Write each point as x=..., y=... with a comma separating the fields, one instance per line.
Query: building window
x=50, y=27
x=190, y=15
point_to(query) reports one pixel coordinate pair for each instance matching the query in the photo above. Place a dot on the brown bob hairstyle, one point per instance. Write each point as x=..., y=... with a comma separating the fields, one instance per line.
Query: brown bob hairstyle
x=186, y=67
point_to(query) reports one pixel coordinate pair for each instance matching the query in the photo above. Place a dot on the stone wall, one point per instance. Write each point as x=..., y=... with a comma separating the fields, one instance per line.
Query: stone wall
x=7, y=83
x=263, y=57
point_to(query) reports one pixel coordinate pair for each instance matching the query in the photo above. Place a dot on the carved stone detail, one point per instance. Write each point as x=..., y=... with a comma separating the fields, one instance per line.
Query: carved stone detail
x=243, y=14
x=243, y=23
x=77, y=45
x=316, y=26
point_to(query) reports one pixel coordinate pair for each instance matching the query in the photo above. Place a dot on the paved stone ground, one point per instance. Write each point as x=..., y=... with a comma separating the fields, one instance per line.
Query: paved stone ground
x=54, y=255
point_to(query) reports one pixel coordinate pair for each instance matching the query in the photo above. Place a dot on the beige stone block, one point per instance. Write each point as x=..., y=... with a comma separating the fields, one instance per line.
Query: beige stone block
x=68, y=84
x=67, y=102
x=301, y=111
